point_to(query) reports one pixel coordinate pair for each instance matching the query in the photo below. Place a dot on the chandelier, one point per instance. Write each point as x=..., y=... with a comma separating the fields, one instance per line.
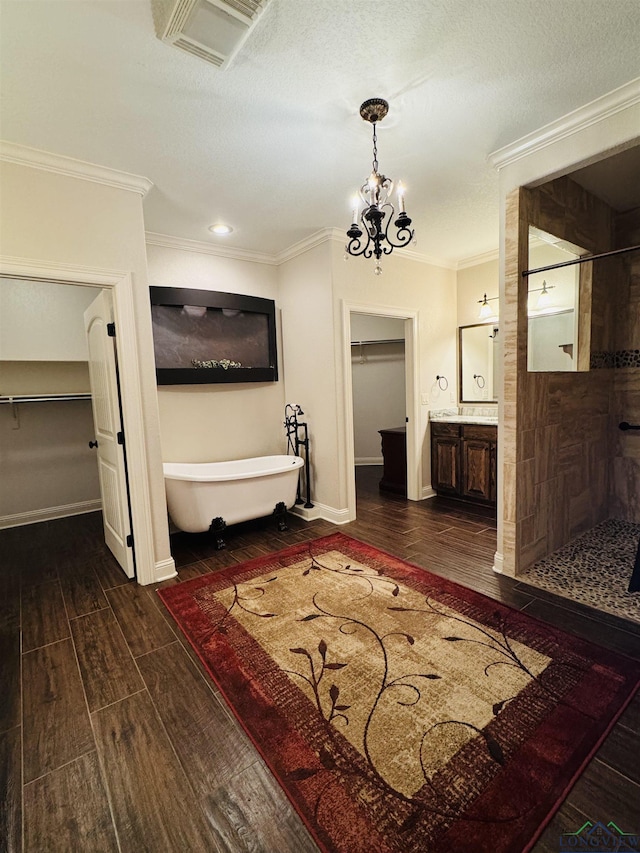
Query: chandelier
x=375, y=218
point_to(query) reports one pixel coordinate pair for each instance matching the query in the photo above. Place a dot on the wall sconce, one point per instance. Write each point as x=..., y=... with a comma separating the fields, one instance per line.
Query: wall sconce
x=545, y=300
x=486, y=311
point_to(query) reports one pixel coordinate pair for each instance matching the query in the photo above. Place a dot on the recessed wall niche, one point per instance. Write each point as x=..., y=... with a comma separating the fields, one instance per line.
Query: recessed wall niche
x=205, y=336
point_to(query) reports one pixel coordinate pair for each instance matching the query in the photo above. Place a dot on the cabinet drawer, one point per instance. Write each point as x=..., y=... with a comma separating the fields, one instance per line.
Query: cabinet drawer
x=445, y=430
x=480, y=432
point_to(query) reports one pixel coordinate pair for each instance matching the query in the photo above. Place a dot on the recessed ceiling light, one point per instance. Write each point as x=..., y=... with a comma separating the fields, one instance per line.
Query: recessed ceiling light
x=220, y=228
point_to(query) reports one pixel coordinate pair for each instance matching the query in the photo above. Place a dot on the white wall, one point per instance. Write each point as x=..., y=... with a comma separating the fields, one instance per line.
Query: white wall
x=47, y=467
x=379, y=399
x=369, y=327
x=472, y=283
x=44, y=377
x=308, y=349
x=45, y=454
x=40, y=321
x=216, y=423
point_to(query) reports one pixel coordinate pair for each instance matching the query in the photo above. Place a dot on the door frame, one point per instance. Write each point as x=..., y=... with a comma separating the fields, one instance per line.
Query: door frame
x=121, y=286
x=412, y=394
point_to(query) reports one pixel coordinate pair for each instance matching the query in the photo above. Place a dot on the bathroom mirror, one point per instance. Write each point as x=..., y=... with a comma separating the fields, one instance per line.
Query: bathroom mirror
x=553, y=305
x=478, y=363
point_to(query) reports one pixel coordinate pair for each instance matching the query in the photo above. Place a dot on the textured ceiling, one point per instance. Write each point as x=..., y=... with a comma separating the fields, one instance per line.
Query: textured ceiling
x=274, y=144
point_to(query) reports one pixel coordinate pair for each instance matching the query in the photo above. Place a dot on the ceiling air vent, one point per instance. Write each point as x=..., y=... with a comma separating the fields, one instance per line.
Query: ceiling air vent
x=213, y=30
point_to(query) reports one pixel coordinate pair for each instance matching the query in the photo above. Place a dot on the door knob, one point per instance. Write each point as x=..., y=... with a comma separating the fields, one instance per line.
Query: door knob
x=93, y=444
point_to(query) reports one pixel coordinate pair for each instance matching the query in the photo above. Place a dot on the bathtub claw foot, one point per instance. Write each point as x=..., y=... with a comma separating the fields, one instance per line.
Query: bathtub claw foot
x=218, y=526
x=280, y=513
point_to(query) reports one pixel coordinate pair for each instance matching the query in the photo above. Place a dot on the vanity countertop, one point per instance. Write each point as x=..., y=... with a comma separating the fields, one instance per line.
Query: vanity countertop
x=465, y=419
x=447, y=416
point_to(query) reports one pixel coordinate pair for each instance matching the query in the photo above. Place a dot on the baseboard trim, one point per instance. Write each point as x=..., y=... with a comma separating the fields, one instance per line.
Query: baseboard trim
x=328, y=513
x=165, y=570
x=498, y=563
x=49, y=513
x=427, y=492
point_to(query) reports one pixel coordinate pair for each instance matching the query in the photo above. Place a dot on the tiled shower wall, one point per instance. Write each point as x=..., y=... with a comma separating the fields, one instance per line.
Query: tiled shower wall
x=558, y=442
x=625, y=486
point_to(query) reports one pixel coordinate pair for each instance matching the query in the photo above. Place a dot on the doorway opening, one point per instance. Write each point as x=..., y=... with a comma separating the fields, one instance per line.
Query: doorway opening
x=120, y=285
x=381, y=398
x=59, y=379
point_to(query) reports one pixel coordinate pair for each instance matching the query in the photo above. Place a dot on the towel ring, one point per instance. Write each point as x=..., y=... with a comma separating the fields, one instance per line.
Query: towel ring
x=479, y=378
x=443, y=383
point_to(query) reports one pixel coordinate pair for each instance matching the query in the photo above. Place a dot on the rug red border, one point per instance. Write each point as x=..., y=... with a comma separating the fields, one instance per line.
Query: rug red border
x=177, y=597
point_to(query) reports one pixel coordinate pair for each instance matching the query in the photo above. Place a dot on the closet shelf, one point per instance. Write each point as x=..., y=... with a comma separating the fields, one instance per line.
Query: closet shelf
x=385, y=341
x=42, y=398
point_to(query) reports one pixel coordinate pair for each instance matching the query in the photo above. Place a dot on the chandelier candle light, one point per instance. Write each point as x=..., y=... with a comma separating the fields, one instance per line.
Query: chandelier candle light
x=378, y=212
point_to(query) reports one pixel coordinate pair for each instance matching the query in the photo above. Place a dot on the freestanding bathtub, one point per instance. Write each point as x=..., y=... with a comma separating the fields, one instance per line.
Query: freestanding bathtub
x=210, y=495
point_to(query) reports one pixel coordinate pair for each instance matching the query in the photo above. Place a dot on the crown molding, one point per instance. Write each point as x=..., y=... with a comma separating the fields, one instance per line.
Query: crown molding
x=338, y=235
x=302, y=246
x=325, y=235
x=476, y=260
x=596, y=111
x=421, y=258
x=202, y=248
x=11, y=152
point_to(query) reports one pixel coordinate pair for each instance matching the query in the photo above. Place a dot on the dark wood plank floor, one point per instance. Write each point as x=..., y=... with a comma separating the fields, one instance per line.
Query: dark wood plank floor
x=112, y=738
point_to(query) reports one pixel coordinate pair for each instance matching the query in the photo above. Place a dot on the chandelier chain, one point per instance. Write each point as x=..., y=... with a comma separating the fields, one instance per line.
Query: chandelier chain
x=375, y=149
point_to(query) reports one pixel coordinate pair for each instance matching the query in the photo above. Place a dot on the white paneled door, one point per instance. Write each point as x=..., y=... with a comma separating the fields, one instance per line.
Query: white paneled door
x=109, y=433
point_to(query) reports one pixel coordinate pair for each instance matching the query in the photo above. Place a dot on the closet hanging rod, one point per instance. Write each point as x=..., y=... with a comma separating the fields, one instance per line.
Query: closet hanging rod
x=383, y=341
x=42, y=398
x=581, y=260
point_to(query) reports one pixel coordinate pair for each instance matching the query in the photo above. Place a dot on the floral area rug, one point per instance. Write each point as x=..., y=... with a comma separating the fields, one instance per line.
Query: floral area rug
x=400, y=712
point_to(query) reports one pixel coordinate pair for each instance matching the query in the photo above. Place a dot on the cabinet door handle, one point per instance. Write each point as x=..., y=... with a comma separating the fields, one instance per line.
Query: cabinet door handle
x=93, y=444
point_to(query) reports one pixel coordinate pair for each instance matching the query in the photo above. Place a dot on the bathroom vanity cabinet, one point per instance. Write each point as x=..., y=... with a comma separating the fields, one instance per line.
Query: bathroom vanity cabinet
x=463, y=461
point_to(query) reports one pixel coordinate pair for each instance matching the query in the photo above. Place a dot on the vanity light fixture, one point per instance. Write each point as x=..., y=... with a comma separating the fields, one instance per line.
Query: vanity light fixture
x=486, y=311
x=220, y=228
x=378, y=212
x=545, y=300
